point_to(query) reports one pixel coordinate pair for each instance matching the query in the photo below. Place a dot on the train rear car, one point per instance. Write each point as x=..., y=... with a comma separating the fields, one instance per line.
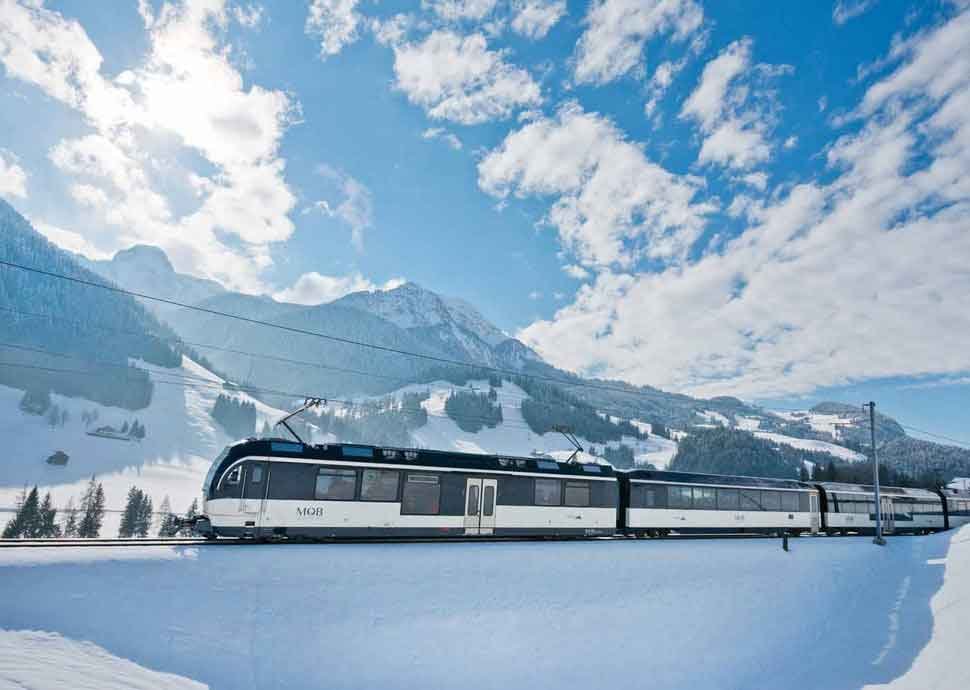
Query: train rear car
x=852, y=508
x=657, y=503
x=957, y=507
x=281, y=489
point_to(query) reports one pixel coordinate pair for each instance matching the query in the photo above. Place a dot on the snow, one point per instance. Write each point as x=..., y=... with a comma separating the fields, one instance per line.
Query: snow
x=825, y=423
x=716, y=418
x=181, y=442
x=831, y=613
x=748, y=423
x=812, y=445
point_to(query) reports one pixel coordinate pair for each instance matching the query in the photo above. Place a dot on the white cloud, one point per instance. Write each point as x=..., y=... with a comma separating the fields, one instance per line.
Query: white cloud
x=70, y=240
x=758, y=180
x=355, y=207
x=313, y=288
x=617, y=30
x=458, y=78
x=335, y=22
x=845, y=10
x=13, y=179
x=791, y=142
x=611, y=203
x=661, y=80
x=576, y=271
x=457, y=10
x=534, y=18
x=535, y=295
x=857, y=277
x=186, y=94
x=444, y=135
x=249, y=16
x=736, y=125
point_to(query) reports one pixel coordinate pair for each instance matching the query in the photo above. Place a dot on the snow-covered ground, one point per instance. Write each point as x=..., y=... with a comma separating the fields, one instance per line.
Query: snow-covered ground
x=832, y=613
x=825, y=423
x=812, y=445
x=180, y=443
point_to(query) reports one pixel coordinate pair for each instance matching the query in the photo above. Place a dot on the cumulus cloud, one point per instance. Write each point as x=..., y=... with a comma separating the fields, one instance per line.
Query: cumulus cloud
x=859, y=276
x=457, y=10
x=336, y=23
x=444, y=135
x=70, y=240
x=661, y=80
x=534, y=18
x=458, y=78
x=617, y=30
x=735, y=119
x=313, y=288
x=186, y=93
x=611, y=204
x=13, y=179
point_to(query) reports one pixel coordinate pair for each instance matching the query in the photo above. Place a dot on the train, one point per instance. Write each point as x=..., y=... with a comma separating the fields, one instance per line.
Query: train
x=275, y=489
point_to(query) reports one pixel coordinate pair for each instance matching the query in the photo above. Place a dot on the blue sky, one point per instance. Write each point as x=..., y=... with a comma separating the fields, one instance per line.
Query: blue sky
x=758, y=199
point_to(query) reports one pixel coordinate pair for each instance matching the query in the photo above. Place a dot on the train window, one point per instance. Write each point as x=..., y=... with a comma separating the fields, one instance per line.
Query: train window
x=472, y=500
x=547, y=465
x=233, y=477
x=335, y=485
x=728, y=499
x=653, y=496
x=770, y=500
x=379, y=485
x=803, y=501
x=679, y=496
x=256, y=476
x=576, y=494
x=750, y=500
x=488, y=501
x=789, y=501
x=284, y=447
x=593, y=469
x=422, y=495
x=704, y=499
x=548, y=492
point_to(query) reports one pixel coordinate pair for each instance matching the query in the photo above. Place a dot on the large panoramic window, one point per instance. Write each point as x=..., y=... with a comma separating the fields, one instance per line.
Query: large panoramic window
x=576, y=494
x=422, y=495
x=336, y=485
x=679, y=496
x=379, y=485
x=548, y=492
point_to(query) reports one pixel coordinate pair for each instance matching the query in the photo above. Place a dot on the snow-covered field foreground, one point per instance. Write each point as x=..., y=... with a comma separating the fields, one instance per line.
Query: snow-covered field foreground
x=832, y=613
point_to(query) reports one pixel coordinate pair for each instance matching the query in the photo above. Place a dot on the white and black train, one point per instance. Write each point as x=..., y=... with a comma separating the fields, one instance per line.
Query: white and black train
x=272, y=489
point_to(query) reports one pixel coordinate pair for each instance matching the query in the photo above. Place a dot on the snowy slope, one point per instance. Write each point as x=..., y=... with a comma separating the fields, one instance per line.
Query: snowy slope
x=812, y=445
x=620, y=614
x=181, y=442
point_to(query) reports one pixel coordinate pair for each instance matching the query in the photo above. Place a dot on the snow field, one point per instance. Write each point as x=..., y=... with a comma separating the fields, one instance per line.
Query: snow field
x=832, y=613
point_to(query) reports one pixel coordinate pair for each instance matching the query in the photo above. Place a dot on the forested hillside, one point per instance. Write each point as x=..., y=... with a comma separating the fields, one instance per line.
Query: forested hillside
x=46, y=318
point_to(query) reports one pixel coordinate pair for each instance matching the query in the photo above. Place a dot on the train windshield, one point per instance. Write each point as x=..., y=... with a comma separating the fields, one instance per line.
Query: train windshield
x=207, y=485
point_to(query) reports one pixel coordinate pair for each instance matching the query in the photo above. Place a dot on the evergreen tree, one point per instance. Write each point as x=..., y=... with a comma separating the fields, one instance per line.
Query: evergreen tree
x=69, y=528
x=130, y=514
x=35, y=401
x=143, y=518
x=27, y=520
x=169, y=522
x=92, y=508
x=48, y=518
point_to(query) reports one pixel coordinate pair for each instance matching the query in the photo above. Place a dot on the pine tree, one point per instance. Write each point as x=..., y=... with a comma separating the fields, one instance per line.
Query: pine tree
x=92, y=506
x=143, y=517
x=169, y=522
x=48, y=518
x=69, y=528
x=27, y=520
x=130, y=516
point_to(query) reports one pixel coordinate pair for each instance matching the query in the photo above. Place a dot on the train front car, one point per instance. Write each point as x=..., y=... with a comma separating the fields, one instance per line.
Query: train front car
x=851, y=508
x=279, y=489
x=658, y=503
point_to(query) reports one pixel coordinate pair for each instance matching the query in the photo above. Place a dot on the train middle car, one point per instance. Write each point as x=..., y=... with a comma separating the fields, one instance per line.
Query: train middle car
x=276, y=488
x=852, y=508
x=656, y=502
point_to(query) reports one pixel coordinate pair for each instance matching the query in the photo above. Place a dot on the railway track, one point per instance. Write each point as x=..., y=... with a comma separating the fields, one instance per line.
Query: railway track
x=189, y=541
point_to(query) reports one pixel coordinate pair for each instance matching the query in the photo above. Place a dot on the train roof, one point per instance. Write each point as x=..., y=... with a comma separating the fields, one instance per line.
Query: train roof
x=734, y=480
x=869, y=488
x=956, y=493
x=363, y=453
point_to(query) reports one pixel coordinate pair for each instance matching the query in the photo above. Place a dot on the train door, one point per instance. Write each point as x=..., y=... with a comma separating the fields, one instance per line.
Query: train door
x=254, y=491
x=813, y=512
x=888, y=519
x=480, y=506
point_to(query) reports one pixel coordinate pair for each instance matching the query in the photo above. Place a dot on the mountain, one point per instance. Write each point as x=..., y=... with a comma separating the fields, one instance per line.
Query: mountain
x=68, y=338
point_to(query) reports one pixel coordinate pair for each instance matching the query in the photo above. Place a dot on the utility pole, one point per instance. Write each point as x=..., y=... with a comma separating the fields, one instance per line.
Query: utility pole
x=875, y=472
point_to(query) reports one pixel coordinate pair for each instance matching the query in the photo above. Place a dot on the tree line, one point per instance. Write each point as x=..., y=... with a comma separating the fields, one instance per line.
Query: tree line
x=37, y=518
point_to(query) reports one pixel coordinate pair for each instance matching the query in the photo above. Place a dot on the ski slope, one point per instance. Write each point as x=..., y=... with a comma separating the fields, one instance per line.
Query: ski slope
x=181, y=441
x=833, y=613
